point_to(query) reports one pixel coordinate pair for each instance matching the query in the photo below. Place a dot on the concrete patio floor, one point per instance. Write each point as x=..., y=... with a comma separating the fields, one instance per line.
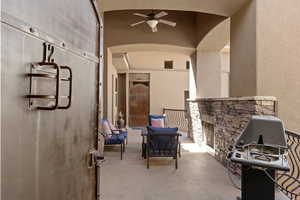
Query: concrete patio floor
x=199, y=176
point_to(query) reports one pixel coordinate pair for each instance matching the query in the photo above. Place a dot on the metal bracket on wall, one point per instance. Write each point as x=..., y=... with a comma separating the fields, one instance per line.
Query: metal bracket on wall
x=48, y=73
x=69, y=79
x=50, y=70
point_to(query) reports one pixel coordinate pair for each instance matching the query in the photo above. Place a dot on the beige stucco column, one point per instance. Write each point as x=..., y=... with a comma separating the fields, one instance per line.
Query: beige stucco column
x=243, y=52
x=209, y=74
x=213, y=62
x=212, y=73
x=265, y=49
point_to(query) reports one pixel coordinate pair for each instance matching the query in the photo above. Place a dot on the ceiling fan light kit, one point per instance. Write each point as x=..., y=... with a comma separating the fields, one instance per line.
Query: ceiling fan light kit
x=153, y=19
x=152, y=23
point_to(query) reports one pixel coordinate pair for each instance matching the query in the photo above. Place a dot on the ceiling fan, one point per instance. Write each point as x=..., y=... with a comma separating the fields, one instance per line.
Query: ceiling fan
x=152, y=19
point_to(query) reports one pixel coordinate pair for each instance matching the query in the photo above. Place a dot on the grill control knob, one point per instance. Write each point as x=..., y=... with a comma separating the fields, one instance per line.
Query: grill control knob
x=229, y=155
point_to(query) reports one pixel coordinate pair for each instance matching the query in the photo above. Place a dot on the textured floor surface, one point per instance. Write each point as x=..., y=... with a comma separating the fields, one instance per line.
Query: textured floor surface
x=199, y=176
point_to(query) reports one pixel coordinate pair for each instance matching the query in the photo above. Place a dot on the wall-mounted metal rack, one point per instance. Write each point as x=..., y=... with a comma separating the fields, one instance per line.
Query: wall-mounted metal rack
x=50, y=70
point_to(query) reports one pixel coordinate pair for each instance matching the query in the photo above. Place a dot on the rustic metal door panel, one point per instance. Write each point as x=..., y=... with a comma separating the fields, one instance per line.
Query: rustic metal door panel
x=67, y=145
x=44, y=153
x=73, y=21
x=18, y=124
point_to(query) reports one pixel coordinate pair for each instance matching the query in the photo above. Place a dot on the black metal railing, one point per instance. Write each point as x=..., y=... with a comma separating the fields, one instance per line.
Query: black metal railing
x=176, y=118
x=289, y=182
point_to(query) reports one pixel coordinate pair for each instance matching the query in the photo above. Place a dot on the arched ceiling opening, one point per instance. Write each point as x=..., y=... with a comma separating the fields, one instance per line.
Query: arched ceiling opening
x=152, y=47
x=190, y=30
x=217, y=38
x=217, y=7
x=125, y=57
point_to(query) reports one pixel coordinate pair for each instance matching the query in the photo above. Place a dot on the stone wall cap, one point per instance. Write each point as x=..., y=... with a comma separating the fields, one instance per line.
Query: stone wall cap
x=249, y=98
x=191, y=100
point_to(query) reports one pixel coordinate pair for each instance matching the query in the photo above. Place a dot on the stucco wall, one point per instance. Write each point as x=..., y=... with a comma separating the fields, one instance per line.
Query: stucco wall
x=111, y=72
x=167, y=93
x=265, y=55
x=243, y=52
x=166, y=89
x=278, y=56
x=208, y=74
x=225, y=73
x=166, y=86
x=213, y=74
x=213, y=62
x=155, y=60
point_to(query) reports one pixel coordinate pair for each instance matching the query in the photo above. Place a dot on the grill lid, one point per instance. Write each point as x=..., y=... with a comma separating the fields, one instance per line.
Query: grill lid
x=265, y=130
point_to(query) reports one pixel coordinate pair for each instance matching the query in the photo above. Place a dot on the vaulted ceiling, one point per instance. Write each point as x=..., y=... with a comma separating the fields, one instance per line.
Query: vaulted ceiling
x=195, y=20
x=217, y=7
x=190, y=30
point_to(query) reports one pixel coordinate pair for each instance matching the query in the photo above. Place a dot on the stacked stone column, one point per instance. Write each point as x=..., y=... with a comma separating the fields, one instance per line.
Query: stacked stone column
x=229, y=116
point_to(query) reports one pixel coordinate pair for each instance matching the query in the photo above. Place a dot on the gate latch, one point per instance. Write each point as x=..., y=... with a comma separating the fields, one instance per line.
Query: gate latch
x=94, y=158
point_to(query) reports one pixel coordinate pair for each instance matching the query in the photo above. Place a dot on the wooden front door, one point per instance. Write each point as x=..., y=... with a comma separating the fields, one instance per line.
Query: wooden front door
x=139, y=103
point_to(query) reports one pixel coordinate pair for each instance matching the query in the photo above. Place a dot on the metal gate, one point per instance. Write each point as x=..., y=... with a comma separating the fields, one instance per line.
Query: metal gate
x=45, y=153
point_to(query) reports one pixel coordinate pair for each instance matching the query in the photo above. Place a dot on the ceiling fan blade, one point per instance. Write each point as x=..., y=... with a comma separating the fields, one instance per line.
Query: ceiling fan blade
x=132, y=25
x=141, y=15
x=154, y=29
x=167, y=22
x=160, y=14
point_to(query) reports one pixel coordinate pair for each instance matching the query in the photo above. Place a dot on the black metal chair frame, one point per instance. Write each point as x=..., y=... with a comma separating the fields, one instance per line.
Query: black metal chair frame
x=169, y=150
x=179, y=146
x=122, y=145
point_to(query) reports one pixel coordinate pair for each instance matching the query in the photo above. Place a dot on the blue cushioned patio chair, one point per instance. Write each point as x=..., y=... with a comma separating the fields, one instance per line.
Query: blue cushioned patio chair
x=113, y=129
x=113, y=137
x=162, y=142
x=162, y=116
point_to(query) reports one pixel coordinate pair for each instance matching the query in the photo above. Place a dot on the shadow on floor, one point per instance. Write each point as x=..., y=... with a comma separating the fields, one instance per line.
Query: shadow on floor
x=199, y=176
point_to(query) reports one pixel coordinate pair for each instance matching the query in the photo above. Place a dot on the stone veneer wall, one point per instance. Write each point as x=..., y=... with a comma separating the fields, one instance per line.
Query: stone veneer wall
x=229, y=117
x=194, y=122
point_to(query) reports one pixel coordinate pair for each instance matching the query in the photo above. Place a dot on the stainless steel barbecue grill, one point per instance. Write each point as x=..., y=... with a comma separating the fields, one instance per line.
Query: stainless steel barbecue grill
x=261, y=149
x=263, y=144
